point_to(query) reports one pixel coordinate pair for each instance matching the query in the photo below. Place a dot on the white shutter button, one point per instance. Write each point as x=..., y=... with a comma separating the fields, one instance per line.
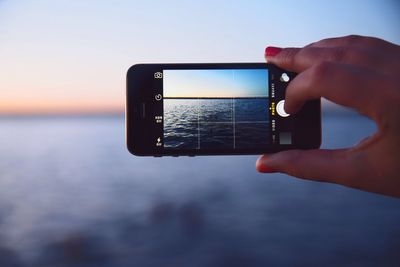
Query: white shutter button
x=280, y=109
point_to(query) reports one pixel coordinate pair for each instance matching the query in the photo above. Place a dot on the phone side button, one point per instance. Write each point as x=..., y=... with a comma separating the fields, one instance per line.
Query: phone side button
x=192, y=155
x=175, y=156
x=157, y=156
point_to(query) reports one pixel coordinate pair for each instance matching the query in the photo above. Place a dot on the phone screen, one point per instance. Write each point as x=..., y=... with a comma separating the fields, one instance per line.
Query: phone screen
x=216, y=109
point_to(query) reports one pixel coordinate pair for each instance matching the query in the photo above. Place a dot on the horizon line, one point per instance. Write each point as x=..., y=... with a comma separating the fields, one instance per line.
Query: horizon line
x=214, y=97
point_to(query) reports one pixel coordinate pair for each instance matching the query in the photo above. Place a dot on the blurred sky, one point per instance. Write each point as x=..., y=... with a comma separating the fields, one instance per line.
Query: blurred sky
x=72, y=56
x=215, y=83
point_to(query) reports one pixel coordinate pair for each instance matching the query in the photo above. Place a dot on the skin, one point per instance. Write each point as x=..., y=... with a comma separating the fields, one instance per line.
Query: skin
x=358, y=72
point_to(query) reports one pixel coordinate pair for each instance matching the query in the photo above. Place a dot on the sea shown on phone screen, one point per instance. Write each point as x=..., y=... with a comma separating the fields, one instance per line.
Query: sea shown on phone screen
x=216, y=123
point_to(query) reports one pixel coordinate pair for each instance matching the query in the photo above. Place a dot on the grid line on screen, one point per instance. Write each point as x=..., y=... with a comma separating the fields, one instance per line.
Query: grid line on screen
x=236, y=122
x=198, y=124
x=233, y=122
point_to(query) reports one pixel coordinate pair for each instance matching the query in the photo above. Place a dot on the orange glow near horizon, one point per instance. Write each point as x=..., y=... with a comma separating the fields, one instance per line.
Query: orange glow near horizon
x=51, y=106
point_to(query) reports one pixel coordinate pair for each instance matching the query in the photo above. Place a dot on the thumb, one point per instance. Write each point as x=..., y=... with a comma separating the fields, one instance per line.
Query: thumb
x=334, y=166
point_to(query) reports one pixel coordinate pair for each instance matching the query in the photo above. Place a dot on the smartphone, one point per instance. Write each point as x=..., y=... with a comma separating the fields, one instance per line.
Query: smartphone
x=215, y=109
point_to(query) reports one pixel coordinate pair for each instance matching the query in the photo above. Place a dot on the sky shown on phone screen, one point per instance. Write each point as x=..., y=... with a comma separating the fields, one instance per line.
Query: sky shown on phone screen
x=216, y=83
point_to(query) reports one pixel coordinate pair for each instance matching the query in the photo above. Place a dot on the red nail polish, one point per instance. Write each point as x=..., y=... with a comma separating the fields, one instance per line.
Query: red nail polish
x=272, y=51
x=266, y=169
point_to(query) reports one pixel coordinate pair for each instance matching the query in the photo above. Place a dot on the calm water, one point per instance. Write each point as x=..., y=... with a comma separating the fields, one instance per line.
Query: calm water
x=216, y=123
x=71, y=195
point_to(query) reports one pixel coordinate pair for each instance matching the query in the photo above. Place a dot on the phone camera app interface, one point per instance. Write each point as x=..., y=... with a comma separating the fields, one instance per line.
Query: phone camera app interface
x=216, y=108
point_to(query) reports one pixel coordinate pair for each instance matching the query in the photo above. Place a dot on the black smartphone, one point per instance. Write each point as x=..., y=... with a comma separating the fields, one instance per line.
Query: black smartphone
x=215, y=109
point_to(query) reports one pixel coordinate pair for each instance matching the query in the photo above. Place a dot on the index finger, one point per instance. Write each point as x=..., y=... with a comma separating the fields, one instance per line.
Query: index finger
x=355, y=41
x=300, y=59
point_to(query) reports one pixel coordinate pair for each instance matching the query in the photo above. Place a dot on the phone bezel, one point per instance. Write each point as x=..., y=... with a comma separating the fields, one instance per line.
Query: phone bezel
x=306, y=135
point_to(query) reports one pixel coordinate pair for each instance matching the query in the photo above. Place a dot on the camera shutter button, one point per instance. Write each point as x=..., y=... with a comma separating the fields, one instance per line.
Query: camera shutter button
x=280, y=109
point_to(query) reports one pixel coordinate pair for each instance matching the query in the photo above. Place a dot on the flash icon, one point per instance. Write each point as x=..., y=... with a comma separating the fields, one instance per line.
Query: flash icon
x=158, y=141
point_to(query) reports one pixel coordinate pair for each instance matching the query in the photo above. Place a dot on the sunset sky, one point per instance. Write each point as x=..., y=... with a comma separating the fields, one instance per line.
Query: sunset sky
x=72, y=56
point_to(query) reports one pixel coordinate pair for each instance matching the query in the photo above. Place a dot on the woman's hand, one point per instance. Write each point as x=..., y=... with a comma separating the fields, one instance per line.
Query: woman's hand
x=362, y=73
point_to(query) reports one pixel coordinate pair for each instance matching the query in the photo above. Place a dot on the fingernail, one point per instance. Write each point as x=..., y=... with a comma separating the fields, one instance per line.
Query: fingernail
x=262, y=166
x=265, y=169
x=272, y=51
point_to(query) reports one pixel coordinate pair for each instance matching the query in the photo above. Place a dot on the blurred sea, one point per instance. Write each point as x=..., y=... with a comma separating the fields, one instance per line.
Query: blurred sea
x=72, y=195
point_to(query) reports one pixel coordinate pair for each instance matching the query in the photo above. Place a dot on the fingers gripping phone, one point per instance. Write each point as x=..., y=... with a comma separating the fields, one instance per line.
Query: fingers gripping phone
x=215, y=109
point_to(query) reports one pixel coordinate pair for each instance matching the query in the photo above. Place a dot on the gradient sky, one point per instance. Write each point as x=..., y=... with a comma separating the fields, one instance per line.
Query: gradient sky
x=72, y=56
x=216, y=83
